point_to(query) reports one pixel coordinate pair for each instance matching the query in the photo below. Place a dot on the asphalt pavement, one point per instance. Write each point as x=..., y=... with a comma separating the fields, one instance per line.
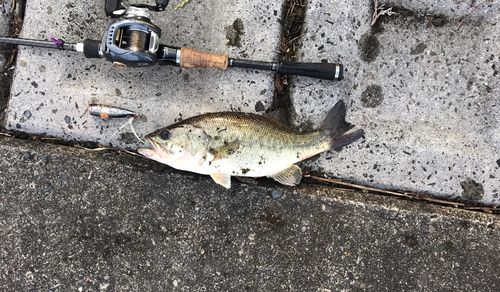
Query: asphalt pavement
x=81, y=220
x=424, y=89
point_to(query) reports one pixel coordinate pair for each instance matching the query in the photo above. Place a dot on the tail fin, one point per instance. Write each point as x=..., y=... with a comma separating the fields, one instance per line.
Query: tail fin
x=336, y=124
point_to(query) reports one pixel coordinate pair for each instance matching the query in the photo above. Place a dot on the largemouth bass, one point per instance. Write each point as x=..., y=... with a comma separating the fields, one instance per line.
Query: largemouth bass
x=243, y=144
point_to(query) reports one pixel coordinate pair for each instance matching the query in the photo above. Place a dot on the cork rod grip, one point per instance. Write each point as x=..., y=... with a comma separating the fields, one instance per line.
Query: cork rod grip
x=197, y=59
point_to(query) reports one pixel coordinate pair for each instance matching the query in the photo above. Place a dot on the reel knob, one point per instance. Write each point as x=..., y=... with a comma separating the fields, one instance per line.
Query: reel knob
x=115, y=8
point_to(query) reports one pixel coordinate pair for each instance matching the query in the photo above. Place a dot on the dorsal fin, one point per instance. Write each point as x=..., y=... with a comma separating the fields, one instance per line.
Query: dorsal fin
x=279, y=115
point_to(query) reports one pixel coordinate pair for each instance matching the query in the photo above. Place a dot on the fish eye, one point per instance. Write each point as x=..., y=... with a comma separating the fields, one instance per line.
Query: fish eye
x=165, y=135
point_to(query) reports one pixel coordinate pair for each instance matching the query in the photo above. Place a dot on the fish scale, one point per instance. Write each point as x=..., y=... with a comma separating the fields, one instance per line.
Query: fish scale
x=243, y=144
x=267, y=146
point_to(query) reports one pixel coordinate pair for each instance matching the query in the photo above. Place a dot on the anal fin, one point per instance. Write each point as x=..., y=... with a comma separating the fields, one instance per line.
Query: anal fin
x=223, y=179
x=290, y=176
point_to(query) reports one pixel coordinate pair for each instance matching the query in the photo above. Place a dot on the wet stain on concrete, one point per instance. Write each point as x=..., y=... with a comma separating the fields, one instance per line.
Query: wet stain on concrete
x=143, y=118
x=127, y=138
x=419, y=49
x=470, y=82
x=472, y=190
x=368, y=47
x=372, y=96
x=437, y=22
x=233, y=33
x=259, y=107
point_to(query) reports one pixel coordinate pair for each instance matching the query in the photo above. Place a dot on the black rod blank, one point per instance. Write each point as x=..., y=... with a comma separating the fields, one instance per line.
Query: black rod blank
x=37, y=43
x=328, y=71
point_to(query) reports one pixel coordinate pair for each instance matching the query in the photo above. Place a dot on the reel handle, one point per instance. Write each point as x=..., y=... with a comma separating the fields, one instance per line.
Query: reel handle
x=190, y=58
x=111, y=6
x=115, y=5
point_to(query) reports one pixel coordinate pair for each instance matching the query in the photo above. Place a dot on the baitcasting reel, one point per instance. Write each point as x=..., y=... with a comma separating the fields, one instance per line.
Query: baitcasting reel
x=134, y=41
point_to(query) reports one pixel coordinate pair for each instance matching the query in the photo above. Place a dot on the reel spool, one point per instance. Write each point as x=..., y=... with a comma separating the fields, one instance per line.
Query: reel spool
x=131, y=42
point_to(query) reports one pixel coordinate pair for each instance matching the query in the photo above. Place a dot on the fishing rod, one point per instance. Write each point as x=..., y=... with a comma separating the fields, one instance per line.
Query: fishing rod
x=134, y=41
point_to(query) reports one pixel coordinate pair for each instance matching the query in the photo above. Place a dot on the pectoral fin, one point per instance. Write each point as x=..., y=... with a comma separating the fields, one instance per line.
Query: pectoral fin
x=289, y=176
x=223, y=179
x=224, y=151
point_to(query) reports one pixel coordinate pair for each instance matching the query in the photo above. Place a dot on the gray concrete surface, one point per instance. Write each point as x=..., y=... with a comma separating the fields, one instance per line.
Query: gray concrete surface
x=5, y=12
x=79, y=220
x=427, y=95
x=56, y=86
x=5, y=56
x=5, y=7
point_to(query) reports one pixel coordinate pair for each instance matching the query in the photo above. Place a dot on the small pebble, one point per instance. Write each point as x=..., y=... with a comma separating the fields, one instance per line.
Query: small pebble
x=27, y=156
x=277, y=193
x=27, y=114
x=47, y=189
x=106, y=278
x=67, y=119
x=268, y=272
x=303, y=229
x=438, y=22
x=43, y=158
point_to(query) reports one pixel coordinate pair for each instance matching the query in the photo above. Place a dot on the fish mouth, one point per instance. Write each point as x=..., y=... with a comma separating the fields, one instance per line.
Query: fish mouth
x=148, y=152
x=156, y=152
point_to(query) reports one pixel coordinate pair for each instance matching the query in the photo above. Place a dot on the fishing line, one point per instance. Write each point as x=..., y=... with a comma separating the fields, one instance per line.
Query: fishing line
x=129, y=122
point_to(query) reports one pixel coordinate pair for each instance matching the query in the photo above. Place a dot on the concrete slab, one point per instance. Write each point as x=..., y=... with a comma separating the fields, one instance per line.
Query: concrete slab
x=52, y=88
x=425, y=93
x=6, y=52
x=5, y=15
x=76, y=220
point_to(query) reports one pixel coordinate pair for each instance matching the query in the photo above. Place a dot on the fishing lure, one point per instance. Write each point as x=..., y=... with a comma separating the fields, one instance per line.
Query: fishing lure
x=106, y=112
